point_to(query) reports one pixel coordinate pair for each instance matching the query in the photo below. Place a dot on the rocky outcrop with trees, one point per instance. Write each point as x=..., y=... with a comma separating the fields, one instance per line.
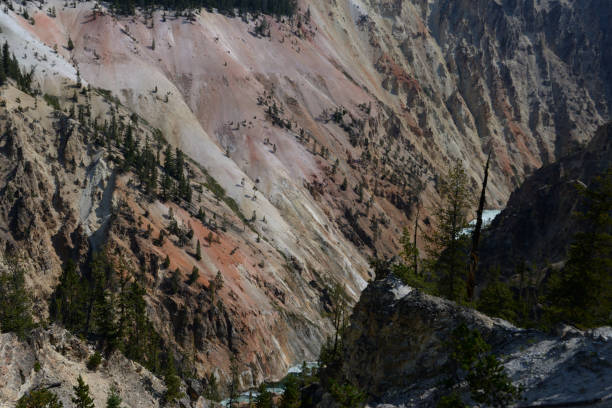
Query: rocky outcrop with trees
x=401, y=348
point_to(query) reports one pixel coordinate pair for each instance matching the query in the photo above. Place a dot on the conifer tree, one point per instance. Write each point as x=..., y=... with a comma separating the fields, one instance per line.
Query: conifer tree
x=581, y=294
x=172, y=382
x=68, y=299
x=193, y=277
x=264, y=397
x=212, y=388
x=6, y=58
x=167, y=186
x=81, y=398
x=106, y=322
x=179, y=165
x=330, y=357
x=166, y=263
x=95, y=287
x=15, y=303
x=444, y=245
x=169, y=163
x=291, y=396
x=218, y=280
x=234, y=383
x=2, y=76
x=113, y=400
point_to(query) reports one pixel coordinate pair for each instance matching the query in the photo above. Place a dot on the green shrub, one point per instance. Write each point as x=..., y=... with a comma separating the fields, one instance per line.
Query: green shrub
x=452, y=400
x=485, y=375
x=39, y=399
x=94, y=361
x=496, y=299
x=52, y=101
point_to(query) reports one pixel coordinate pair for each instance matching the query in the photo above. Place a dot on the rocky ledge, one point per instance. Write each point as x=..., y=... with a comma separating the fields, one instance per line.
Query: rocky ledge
x=52, y=359
x=396, y=351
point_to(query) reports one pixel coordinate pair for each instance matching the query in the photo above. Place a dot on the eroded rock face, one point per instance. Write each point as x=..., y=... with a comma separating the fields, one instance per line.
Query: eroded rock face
x=538, y=224
x=52, y=358
x=396, y=351
x=422, y=83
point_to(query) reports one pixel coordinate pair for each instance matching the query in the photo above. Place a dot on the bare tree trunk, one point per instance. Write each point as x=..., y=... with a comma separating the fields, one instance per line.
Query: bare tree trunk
x=471, y=278
x=414, y=242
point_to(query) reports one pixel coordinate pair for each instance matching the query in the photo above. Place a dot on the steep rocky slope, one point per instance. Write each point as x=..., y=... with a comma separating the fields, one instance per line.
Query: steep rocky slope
x=61, y=359
x=421, y=82
x=538, y=224
x=396, y=350
x=380, y=94
x=64, y=193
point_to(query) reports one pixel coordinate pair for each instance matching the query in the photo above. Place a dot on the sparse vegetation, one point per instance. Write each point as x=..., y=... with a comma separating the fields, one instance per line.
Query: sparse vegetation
x=277, y=7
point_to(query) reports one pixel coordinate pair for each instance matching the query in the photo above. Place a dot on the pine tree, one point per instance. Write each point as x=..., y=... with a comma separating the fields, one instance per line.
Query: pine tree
x=175, y=281
x=234, y=383
x=330, y=357
x=472, y=362
x=95, y=287
x=347, y=395
x=135, y=321
x=105, y=317
x=264, y=398
x=193, y=277
x=496, y=299
x=42, y=398
x=179, y=165
x=169, y=163
x=167, y=187
x=6, y=59
x=68, y=300
x=113, y=400
x=2, y=76
x=581, y=294
x=212, y=388
x=172, y=382
x=81, y=398
x=444, y=244
x=291, y=396
x=218, y=280
x=70, y=44
x=15, y=303
x=160, y=238
x=166, y=263
x=344, y=185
